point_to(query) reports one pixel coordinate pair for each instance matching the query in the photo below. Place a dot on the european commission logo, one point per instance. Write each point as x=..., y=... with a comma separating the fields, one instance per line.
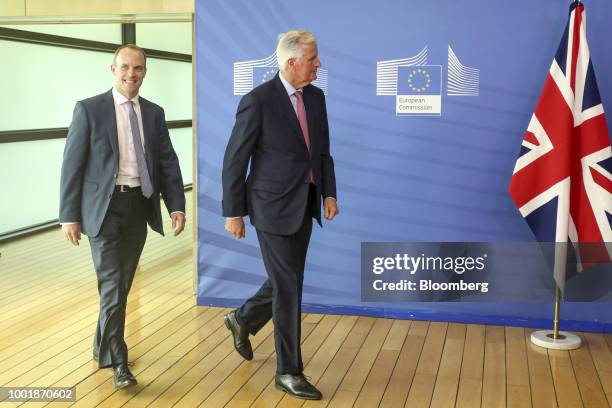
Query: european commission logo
x=249, y=74
x=418, y=90
x=417, y=86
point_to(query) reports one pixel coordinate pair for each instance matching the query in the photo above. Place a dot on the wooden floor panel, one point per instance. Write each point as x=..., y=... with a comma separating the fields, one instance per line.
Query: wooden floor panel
x=183, y=355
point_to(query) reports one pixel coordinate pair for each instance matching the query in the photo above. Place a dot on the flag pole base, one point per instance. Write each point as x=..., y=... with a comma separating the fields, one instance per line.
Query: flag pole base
x=564, y=341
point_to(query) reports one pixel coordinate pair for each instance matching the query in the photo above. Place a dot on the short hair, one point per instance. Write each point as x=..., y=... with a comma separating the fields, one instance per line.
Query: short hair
x=132, y=47
x=290, y=45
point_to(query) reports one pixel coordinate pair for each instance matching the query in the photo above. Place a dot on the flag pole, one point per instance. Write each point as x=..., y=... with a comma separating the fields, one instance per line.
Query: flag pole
x=557, y=312
x=556, y=339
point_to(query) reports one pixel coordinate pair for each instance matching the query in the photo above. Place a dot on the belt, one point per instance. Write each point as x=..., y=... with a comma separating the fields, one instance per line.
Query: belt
x=126, y=189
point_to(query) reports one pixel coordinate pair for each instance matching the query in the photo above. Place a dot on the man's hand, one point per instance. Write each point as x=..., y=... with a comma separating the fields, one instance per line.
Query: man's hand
x=235, y=226
x=72, y=232
x=330, y=208
x=178, y=222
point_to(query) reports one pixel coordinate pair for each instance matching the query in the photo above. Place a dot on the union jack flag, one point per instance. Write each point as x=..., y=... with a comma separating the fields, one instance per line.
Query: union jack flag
x=562, y=181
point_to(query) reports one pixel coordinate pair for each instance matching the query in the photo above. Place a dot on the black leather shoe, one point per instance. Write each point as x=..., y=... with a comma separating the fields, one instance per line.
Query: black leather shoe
x=123, y=376
x=297, y=386
x=241, y=336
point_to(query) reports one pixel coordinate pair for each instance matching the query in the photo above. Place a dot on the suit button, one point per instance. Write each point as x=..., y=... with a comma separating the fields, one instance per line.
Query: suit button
x=115, y=175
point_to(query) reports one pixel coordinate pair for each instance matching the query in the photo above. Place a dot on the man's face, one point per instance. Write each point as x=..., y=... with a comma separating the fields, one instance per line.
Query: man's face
x=305, y=68
x=129, y=71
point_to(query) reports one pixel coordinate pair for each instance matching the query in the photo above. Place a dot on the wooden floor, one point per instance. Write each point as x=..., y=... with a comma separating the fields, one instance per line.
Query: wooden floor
x=182, y=354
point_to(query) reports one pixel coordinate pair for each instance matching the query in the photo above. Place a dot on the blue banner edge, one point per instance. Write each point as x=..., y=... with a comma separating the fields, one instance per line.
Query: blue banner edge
x=403, y=314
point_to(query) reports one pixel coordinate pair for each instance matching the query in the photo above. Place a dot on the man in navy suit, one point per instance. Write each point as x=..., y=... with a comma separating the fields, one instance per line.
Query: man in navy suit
x=281, y=129
x=118, y=159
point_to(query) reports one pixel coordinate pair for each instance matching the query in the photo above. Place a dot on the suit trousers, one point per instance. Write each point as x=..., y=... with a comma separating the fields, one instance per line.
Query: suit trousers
x=280, y=297
x=115, y=252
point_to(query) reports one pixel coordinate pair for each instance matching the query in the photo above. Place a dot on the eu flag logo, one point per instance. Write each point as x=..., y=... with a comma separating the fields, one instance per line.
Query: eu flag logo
x=263, y=74
x=419, y=80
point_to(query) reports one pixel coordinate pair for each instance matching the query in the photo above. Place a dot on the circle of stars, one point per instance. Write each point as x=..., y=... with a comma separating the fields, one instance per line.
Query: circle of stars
x=426, y=78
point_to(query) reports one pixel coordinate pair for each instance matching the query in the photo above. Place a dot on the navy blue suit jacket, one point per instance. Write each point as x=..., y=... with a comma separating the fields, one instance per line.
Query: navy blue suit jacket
x=268, y=135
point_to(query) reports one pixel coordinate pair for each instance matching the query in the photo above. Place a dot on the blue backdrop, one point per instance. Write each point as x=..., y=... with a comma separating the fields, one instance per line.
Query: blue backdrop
x=433, y=166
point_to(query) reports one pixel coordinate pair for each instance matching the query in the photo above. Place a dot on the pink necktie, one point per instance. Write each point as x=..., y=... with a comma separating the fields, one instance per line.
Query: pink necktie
x=301, y=114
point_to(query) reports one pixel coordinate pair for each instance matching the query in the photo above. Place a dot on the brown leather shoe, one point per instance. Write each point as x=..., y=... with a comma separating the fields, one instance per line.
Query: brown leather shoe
x=297, y=386
x=240, y=334
x=123, y=376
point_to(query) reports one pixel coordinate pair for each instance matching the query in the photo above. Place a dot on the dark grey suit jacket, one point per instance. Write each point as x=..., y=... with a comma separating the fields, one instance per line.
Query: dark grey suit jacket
x=91, y=163
x=267, y=133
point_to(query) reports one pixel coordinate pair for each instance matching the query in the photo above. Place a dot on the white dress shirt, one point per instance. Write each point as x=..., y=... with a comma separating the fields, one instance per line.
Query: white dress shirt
x=128, y=166
x=291, y=92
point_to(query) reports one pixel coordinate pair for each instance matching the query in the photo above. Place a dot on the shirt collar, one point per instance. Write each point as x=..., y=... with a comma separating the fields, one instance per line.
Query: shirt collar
x=288, y=87
x=120, y=99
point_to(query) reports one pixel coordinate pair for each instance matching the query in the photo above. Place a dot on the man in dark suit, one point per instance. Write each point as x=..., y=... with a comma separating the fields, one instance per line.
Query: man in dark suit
x=281, y=129
x=117, y=160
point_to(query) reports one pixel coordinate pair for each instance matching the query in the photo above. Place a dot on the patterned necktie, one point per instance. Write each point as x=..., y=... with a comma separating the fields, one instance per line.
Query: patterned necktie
x=143, y=171
x=301, y=114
